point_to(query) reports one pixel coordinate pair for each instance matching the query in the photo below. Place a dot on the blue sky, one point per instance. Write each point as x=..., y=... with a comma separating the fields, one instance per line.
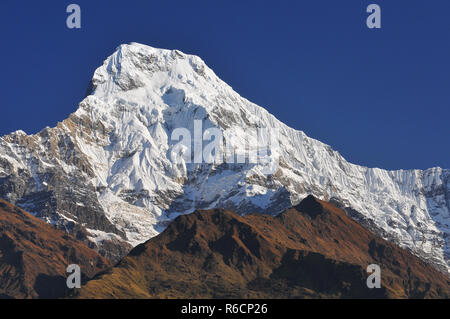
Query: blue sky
x=380, y=97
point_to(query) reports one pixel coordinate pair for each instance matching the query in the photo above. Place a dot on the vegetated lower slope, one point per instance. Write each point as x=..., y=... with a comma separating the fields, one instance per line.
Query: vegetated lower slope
x=313, y=250
x=34, y=256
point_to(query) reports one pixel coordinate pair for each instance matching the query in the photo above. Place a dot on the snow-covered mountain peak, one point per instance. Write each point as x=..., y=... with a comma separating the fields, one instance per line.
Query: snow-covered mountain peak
x=114, y=166
x=135, y=66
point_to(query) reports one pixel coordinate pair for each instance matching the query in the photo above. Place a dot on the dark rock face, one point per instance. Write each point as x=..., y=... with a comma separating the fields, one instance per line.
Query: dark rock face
x=315, y=252
x=58, y=205
x=311, y=206
x=62, y=197
x=34, y=256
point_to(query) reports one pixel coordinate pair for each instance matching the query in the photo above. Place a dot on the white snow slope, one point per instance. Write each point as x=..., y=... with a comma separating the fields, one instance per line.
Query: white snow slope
x=120, y=143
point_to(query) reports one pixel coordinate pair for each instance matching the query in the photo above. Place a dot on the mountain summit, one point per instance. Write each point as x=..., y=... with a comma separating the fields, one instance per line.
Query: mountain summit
x=115, y=167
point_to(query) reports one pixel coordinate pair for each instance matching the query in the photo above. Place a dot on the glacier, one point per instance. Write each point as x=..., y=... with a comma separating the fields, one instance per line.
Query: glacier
x=106, y=172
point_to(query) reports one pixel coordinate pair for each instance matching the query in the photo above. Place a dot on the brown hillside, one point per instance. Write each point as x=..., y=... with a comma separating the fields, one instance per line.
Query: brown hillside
x=34, y=256
x=311, y=251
